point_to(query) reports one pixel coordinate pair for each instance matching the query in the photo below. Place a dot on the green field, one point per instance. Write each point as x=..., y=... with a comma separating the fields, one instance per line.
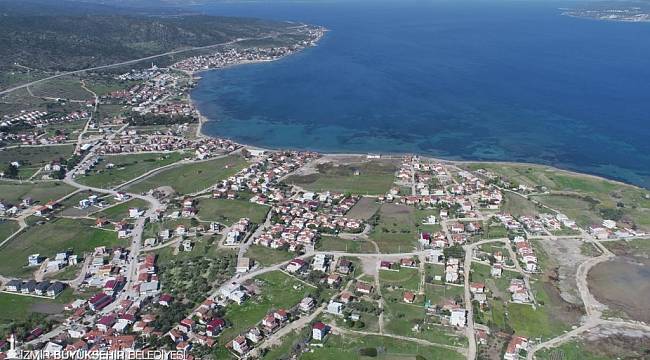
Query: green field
x=266, y=256
x=121, y=211
x=191, y=178
x=7, y=227
x=396, y=229
x=127, y=167
x=331, y=243
x=437, y=293
x=577, y=208
x=348, y=346
x=580, y=197
x=517, y=205
x=374, y=177
x=41, y=192
x=636, y=247
x=277, y=292
x=404, y=278
x=151, y=229
x=18, y=307
x=67, y=87
x=601, y=349
x=52, y=237
x=32, y=158
x=229, y=212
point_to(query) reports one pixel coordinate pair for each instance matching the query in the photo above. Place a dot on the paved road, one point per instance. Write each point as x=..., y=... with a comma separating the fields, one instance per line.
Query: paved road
x=128, y=62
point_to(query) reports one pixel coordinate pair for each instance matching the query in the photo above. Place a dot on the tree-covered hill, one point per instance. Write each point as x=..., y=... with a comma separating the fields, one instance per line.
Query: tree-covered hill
x=87, y=38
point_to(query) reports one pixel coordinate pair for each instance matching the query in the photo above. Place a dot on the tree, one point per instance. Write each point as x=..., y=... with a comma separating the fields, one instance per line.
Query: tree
x=11, y=171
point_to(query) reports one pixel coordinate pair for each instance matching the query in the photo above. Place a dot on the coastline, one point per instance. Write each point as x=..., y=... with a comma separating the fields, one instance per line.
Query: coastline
x=202, y=119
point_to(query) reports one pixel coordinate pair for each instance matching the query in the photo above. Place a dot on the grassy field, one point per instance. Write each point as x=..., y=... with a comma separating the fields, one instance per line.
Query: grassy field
x=636, y=247
x=121, y=211
x=52, y=237
x=40, y=192
x=32, y=158
x=277, y=291
x=437, y=293
x=66, y=87
x=228, y=212
x=151, y=229
x=192, y=177
x=402, y=317
x=266, y=256
x=7, y=227
x=348, y=346
x=127, y=167
x=331, y=243
x=579, y=195
x=404, y=278
x=396, y=230
x=518, y=206
x=18, y=307
x=572, y=350
x=372, y=177
x=364, y=209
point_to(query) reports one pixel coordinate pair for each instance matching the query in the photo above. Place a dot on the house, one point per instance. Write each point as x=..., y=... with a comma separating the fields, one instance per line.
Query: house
x=281, y=315
x=319, y=331
x=408, y=297
x=344, y=267
x=388, y=265
x=254, y=335
x=364, y=288
x=346, y=297
x=306, y=304
x=34, y=260
x=458, y=318
x=270, y=323
x=496, y=270
x=214, y=327
x=240, y=345
x=477, y=288
x=14, y=285
x=243, y=265
x=165, y=300
x=334, y=280
x=516, y=344
x=409, y=263
x=55, y=289
x=28, y=286
x=296, y=265
x=187, y=325
x=106, y=322
x=41, y=288
x=187, y=245
x=335, y=308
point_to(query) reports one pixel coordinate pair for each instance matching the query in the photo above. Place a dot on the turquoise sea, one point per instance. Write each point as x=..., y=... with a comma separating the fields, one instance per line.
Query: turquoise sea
x=474, y=80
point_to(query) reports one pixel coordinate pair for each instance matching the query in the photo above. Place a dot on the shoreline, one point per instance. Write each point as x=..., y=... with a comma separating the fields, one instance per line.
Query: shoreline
x=202, y=119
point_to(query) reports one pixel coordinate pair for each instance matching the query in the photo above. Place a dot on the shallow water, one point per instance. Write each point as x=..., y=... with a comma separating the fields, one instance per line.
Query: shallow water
x=623, y=284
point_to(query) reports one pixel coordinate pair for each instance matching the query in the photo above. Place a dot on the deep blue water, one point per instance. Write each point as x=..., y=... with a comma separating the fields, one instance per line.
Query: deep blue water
x=489, y=80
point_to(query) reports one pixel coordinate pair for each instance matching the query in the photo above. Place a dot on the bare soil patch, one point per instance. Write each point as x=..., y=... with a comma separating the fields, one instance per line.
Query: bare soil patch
x=364, y=209
x=565, y=255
